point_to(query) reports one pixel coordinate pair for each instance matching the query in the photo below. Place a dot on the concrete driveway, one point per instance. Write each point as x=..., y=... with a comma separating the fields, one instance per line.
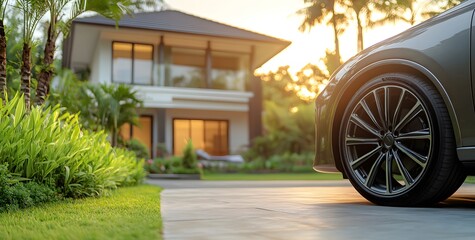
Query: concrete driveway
x=303, y=210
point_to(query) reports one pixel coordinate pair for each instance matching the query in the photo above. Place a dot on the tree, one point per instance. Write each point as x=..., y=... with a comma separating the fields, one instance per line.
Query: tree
x=443, y=5
x=323, y=11
x=32, y=12
x=410, y=11
x=3, y=48
x=111, y=106
x=60, y=23
x=397, y=9
x=360, y=7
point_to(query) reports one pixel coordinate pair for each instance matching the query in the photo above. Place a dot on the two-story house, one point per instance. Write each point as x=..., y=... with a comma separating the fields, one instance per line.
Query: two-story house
x=194, y=75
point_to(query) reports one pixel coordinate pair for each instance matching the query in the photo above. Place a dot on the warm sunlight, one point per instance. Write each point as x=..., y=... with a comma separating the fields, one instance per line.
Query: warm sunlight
x=278, y=18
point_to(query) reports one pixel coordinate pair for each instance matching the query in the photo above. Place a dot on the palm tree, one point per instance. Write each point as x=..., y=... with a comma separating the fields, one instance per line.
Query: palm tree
x=410, y=10
x=32, y=11
x=443, y=5
x=318, y=11
x=3, y=49
x=112, y=107
x=59, y=24
x=113, y=9
x=361, y=7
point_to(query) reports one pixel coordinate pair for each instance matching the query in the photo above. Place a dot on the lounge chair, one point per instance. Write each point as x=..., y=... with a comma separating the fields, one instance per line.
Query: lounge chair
x=208, y=160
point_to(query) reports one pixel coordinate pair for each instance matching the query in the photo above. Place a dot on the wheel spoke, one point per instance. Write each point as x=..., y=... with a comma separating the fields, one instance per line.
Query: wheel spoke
x=406, y=176
x=386, y=107
x=398, y=107
x=419, y=134
x=358, y=162
x=373, y=172
x=389, y=173
x=361, y=141
x=364, y=125
x=409, y=116
x=370, y=113
x=416, y=157
x=378, y=106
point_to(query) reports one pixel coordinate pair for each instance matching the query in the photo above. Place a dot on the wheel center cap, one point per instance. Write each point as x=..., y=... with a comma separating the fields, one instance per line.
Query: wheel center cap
x=388, y=140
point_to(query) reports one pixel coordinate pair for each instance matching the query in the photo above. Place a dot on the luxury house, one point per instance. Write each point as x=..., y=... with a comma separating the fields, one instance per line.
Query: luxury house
x=194, y=75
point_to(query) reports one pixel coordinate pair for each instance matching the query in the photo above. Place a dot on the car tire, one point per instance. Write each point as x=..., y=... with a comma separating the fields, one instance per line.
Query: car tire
x=396, y=142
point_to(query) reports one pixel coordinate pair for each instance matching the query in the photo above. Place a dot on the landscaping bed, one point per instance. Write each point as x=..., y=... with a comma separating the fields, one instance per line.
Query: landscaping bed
x=270, y=176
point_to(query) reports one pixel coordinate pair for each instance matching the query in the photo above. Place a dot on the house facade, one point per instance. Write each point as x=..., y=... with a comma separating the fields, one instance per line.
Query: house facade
x=194, y=75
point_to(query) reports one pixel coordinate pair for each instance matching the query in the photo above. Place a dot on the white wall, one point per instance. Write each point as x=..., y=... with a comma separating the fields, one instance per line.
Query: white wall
x=101, y=65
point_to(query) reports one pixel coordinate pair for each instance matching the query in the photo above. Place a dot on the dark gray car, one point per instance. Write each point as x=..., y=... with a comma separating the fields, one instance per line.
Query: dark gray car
x=398, y=119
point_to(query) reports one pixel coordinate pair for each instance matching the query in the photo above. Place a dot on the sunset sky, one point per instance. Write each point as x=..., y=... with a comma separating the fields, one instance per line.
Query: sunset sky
x=278, y=18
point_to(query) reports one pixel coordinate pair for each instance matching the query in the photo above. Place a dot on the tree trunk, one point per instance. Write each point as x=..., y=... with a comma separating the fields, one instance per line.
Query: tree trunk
x=335, y=32
x=3, y=60
x=114, y=138
x=47, y=70
x=360, y=33
x=26, y=73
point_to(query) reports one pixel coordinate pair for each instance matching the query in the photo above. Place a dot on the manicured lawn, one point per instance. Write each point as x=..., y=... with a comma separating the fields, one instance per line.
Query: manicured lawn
x=129, y=213
x=271, y=176
x=470, y=179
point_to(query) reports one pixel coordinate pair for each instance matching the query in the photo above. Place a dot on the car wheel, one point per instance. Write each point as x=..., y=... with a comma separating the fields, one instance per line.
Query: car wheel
x=397, y=144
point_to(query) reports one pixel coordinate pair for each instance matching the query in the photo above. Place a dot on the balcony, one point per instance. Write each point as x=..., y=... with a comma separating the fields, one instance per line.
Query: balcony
x=189, y=98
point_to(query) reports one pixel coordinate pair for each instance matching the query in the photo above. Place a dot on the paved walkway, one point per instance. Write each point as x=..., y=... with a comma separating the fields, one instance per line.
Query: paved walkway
x=303, y=210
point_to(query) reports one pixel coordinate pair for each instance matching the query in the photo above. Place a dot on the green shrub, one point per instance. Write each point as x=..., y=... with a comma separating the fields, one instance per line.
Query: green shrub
x=140, y=149
x=15, y=194
x=174, y=164
x=283, y=163
x=49, y=147
x=189, y=156
x=169, y=165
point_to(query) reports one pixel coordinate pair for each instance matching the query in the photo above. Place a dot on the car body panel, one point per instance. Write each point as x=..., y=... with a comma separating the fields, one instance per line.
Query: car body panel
x=438, y=49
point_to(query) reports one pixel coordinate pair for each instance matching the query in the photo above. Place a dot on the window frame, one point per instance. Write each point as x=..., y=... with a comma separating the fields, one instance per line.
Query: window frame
x=204, y=120
x=208, y=54
x=133, y=63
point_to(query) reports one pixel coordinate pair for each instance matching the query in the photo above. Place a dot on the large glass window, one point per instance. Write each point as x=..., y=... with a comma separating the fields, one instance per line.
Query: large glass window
x=209, y=135
x=185, y=67
x=122, y=62
x=143, y=59
x=132, y=63
x=142, y=132
x=229, y=70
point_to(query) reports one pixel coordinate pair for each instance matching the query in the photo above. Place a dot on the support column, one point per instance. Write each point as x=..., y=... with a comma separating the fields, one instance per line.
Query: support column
x=161, y=117
x=255, y=103
x=161, y=62
x=208, y=66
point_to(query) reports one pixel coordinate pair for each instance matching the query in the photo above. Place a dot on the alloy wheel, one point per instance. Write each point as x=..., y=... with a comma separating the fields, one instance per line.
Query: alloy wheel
x=388, y=140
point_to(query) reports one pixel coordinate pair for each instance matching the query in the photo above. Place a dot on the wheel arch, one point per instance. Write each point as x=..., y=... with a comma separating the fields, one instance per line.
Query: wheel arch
x=381, y=67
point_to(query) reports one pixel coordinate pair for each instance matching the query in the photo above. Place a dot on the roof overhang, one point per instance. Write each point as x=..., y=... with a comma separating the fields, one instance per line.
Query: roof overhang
x=81, y=45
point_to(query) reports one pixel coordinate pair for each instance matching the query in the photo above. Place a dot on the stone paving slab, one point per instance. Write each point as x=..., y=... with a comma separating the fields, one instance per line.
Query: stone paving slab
x=304, y=210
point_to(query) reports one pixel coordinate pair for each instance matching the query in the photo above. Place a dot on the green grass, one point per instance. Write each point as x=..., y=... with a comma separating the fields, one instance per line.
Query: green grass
x=271, y=176
x=128, y=213
x=470, y=179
